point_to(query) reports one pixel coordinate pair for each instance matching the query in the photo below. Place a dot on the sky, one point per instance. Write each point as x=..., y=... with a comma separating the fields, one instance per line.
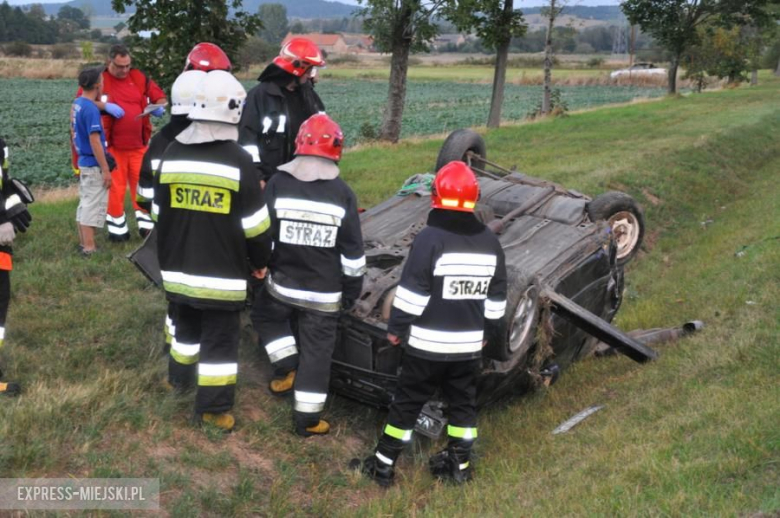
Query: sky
x=518, y=3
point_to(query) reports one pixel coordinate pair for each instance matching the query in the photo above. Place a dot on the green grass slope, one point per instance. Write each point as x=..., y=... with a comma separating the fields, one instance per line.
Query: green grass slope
x=696, y=433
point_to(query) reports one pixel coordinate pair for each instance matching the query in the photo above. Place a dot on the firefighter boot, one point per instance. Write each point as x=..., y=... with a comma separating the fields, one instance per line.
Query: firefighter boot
x=381, y=473
x=283, y=386
x=224, y=421
x=10, y=389
x=452, y=464
x=321, y=428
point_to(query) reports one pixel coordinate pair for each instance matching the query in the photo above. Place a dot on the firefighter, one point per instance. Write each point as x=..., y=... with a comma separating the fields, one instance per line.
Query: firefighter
x=277, y=107
x=207, y=57
x=13, y=217
x=450, y=301
x=212, y=224
x=203, y=58
x=316, y=270
x=183, y=99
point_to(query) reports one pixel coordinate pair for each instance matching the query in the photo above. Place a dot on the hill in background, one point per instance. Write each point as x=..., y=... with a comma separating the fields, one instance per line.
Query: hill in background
x=295, y=8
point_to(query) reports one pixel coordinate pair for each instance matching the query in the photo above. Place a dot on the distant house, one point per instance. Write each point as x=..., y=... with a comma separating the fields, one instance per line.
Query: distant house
x=358, y=43
x=444, y=40
x=327, y=42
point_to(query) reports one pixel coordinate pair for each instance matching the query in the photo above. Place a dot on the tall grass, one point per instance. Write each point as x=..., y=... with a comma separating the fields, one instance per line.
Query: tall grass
x=696, y=433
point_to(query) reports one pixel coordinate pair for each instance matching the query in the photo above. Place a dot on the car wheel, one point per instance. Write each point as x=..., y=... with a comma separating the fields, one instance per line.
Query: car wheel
x=521, y=319
x=626, y=219
x=458, y=143
x=522, y=326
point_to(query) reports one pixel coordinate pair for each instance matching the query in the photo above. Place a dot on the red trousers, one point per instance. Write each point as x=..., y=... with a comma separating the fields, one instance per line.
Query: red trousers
x=128, y=169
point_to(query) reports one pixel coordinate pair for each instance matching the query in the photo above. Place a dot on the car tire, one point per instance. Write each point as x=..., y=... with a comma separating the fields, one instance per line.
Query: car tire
x=522, y=318
x=457, y=144
x=626, y=219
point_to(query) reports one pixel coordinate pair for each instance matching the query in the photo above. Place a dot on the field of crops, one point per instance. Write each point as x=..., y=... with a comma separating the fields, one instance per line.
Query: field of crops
x=34, y=113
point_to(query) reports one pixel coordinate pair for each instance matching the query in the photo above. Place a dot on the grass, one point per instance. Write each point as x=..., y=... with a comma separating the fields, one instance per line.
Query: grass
x=696, y=433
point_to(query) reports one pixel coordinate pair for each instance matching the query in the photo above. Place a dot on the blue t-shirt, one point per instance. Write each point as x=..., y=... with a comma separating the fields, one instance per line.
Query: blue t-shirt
x=85, y=120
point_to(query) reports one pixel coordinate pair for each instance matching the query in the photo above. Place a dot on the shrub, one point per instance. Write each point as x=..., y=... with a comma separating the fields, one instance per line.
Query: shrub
x=595, y=62
x=558, y=106
x=63, y=51
x=18, y=48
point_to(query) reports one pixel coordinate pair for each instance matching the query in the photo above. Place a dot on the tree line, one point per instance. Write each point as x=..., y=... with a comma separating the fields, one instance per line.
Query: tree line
x=31, y=25
x=687, y=30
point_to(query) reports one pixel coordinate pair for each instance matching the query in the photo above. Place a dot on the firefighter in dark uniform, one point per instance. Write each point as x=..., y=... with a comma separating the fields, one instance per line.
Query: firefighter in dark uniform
x=213, y=230
x=276, y=108
x=204, y=57
x=13, y=217
x=183, y=98
x=449, y=303
x=316, y=270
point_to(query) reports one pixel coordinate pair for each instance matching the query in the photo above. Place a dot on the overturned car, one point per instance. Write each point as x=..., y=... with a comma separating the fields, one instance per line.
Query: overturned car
x=565, y=254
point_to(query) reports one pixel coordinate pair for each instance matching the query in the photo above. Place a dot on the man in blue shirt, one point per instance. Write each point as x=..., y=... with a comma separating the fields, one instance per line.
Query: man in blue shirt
x=90, y=143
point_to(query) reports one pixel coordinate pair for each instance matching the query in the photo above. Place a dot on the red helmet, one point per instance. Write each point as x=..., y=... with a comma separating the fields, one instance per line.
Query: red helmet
x=298, y=55
x=320, y=136
x=455, y=188
x=207, y=57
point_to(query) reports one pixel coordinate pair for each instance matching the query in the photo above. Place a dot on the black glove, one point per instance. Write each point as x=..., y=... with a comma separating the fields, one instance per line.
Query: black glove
x=111, y=162
x=17, y=197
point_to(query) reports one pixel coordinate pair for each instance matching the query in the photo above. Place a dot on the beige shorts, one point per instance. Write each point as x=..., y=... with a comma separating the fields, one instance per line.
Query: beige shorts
x=93, y=198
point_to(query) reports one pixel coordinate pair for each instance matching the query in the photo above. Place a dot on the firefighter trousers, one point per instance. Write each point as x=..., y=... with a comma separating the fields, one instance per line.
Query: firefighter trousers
x=204, y=350
x=126, y=174
x=310, y=355
x=417, y=384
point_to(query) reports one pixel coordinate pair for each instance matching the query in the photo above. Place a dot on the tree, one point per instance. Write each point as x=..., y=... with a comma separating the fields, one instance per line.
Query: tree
x=550, y=11
x=254, y=51
x=177, y=25
x=673, y=23
x=399, y=27
x=75, y=15
x=274, y=18
x=119, y=26
x=298, y=28
x=496, y=22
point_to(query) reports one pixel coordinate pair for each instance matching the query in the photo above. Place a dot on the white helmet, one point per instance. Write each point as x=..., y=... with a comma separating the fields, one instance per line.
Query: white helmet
x=219, y=99
x=184, y=89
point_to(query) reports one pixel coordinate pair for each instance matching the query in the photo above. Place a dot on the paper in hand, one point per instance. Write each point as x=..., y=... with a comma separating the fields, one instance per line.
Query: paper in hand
x=150, y=108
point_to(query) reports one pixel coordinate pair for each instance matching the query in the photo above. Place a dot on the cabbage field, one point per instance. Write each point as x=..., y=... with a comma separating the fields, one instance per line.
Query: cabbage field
x=34, y=113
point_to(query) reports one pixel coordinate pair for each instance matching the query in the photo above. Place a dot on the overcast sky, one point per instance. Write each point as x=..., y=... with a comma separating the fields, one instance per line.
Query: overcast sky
x=518, y=4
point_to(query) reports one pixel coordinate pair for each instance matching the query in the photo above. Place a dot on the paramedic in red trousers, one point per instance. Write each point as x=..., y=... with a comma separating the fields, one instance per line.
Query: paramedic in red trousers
x=203, y=58
x=126, y=93
x=278, y=105
x=13, y=217
x=213, y=230
x=316, y=270
x=449, y=303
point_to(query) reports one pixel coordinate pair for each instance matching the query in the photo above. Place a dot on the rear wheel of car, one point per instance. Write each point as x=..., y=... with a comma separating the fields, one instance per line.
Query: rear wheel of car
x=522, y=326
x=522, y=318
x=626, y=219
x=458, y=144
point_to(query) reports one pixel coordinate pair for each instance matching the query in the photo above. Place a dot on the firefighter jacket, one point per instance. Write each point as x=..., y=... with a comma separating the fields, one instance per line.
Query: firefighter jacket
x=453, y=285
x=211, y=223
x=151, y=161
x=318, y=260
x=267, y=129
